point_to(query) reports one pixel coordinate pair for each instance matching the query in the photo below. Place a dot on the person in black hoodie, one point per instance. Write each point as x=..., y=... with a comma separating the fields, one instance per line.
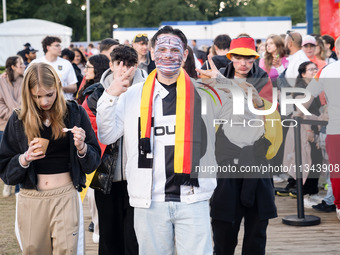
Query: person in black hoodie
x=221, y=46
x=49, y=210
x=238, y=195
x=115, y=215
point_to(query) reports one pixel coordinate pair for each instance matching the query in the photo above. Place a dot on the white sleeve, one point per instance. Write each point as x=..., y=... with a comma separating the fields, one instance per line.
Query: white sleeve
x=71, y=77
x=280, y=69
x=110, y=118
x=315, y=87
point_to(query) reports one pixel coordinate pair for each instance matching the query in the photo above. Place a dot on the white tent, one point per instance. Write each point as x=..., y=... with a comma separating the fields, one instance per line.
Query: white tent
x=15, y=33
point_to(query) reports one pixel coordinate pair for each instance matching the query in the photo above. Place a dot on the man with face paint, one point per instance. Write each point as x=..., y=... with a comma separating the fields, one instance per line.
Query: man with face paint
x=165, y=137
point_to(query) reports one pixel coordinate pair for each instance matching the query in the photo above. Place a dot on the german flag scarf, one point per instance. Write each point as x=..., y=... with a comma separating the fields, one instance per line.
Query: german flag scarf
x=187, y=131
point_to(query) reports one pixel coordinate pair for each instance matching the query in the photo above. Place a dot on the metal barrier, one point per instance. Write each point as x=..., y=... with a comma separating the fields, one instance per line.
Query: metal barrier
x=301, y=219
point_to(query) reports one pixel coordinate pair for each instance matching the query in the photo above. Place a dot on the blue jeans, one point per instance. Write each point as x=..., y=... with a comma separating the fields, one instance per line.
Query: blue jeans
x=329, y=198
x=1, y=133
x=168, y=224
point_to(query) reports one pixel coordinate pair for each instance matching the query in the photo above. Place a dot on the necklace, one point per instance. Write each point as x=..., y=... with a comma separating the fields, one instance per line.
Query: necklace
x=47, y=122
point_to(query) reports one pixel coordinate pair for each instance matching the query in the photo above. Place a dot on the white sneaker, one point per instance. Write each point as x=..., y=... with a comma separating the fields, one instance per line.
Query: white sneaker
x=277, y=179
x=338, y=213
x=316, y=198
x=95, y=238
x=7, y=190
x=308, y=202
x=284, y=176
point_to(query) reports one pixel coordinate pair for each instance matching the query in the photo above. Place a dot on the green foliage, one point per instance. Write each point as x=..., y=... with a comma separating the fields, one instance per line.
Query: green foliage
x=148, y=13
x=316, y=20
x=152, y=13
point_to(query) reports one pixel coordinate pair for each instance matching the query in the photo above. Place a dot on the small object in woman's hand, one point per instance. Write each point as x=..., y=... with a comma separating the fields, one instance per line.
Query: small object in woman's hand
x=67, y=129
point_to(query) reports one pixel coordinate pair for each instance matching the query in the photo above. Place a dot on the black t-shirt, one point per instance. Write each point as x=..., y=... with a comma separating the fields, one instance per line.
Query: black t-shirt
x=57, y=159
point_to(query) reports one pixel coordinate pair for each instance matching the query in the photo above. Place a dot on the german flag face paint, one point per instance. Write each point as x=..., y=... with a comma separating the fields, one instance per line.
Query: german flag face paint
x=169, y=53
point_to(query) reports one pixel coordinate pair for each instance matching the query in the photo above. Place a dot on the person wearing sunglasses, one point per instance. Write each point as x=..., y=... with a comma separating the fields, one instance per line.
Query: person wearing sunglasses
x=140, y=44
x=309, y=46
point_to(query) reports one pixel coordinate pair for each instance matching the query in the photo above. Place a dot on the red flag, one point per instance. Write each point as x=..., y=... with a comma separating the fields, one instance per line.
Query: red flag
x=330, y=17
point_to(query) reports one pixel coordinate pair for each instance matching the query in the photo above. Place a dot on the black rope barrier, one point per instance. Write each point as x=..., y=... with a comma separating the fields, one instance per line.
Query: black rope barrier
x=301, y=219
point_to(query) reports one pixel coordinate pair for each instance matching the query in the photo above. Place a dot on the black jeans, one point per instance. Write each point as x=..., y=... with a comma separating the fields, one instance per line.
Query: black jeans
x=115, y=216
x=225, y=233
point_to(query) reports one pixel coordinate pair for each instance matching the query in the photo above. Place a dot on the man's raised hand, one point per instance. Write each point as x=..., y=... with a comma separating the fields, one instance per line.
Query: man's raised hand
x=211, y=73
x=121, y=80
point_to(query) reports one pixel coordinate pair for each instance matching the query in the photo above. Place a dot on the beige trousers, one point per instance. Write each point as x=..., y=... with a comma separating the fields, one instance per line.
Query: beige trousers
x=93, y=209
x=51, y=221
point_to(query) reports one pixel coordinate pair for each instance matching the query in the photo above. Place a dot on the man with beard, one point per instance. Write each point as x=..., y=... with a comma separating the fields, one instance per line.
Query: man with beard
x=165, y=138
x=293, y=47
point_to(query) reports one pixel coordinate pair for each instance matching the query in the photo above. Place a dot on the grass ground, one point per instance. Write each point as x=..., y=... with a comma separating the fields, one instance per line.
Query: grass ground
x=8, y=241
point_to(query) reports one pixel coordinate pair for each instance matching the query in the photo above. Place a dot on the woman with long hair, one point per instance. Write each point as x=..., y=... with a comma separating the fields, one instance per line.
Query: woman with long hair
x=79, y=60
x=320, y=51
x=274, y=61
x=95, y=67
x=311, y=154
x=47, y=147
x=10, y=96
x=189, y=64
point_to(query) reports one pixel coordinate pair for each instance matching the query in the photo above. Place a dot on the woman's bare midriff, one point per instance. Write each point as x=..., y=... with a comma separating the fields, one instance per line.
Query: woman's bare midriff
x=52, y=181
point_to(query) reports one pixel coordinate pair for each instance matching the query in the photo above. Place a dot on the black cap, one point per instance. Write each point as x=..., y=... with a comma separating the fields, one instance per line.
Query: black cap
x=141, y=38
x=27, y=44
x=30, y=49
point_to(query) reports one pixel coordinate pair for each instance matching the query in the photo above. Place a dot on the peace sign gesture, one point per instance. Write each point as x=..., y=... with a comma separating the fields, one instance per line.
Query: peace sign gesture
x=211, y=73
x=121, y=81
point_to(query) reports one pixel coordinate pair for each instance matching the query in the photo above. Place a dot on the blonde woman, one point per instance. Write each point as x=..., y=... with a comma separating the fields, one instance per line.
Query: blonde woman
x=274, y=61
x=10, y=96
x=49, y=212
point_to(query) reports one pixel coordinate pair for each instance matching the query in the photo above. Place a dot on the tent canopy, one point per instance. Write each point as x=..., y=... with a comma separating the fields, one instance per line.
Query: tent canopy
x=15, y=33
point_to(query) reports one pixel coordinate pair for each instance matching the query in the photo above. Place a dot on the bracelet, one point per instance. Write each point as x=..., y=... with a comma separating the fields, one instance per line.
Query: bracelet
x=27, y=166
x=81, y=156
x=82, y=148
x=25, y=158
x=260, y=106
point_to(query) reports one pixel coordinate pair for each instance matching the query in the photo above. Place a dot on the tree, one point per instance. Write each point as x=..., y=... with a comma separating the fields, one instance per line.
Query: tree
x=147, y=13
x=152, y=13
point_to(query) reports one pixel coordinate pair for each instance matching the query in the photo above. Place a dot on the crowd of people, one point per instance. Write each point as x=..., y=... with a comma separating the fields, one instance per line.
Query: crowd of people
x=142, y=118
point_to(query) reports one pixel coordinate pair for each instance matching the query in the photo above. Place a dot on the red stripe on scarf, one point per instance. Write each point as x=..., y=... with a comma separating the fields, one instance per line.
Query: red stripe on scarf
x=148, y=125
x=187, y=159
